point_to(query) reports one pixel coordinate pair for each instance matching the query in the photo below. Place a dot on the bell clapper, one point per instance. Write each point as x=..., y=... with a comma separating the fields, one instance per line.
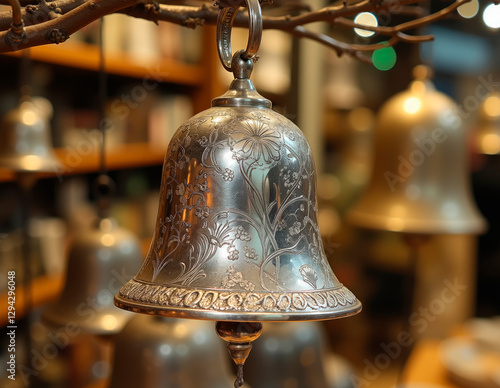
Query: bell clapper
x=239, y=337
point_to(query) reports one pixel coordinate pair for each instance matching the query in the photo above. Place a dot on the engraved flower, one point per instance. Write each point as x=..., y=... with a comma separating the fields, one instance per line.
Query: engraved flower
x=233, y=254
x=250, y=253
x=202, y=212
x=242, y=234
x=233, y=278
x=295, y=228
x=180, y=190
x=256, y=140
x=203, y=141
x=228, y=175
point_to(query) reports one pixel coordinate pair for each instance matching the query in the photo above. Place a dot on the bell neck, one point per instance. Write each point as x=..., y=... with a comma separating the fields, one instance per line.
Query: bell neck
x=241, y=92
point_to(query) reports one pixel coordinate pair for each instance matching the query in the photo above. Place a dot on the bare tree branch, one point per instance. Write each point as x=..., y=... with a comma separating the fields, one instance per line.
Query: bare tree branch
x=54, y=21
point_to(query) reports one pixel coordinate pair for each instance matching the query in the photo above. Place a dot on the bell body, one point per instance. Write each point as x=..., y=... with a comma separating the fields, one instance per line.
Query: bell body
x=100, y=261
x=157, y=352
x=236, y=235
x=25, y=144
x=487, y=131
x=419, y=182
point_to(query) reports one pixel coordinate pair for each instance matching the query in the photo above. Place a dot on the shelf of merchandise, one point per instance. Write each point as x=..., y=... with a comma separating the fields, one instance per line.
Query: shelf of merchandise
x=85, y=56
x=47, y=288
x=119, y=157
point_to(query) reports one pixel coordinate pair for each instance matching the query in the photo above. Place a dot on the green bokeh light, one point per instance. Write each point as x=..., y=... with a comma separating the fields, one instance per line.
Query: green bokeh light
x=384, y=59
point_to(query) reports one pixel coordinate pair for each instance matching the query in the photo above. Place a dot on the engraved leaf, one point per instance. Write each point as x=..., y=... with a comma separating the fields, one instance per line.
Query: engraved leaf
x=309, y=275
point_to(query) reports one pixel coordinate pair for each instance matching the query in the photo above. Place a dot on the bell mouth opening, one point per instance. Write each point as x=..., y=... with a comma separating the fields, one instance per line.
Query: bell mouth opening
x=192, y=303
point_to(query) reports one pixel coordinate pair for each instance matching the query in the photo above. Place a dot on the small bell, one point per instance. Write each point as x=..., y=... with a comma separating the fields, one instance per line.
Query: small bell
x=100, y=260
x=487, y=132
x=158, y=352
x=25, y=144
x=419, y=182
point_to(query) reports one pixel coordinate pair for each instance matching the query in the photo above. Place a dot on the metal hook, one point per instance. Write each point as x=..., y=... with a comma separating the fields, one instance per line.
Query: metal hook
x=225, y=22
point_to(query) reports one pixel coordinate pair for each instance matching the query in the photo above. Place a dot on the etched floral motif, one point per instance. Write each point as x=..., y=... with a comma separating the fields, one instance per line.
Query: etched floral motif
x=228, y=175
x=309, y=275
x=233, y=278
x=242, y=234
x=202, y=212
x=234, y=254
x=250, y=253
x=256, y=140
x=295, y=228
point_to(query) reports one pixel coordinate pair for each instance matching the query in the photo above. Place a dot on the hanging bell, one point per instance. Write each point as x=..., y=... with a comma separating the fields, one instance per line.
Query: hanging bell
x=236, y=236
x=100, y=260
x=487, y=132
x=154, y=352
x=25, y=144
x=419, y=182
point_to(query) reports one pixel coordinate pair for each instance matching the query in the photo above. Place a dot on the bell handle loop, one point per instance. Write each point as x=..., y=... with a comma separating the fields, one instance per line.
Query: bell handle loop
x=225, y=22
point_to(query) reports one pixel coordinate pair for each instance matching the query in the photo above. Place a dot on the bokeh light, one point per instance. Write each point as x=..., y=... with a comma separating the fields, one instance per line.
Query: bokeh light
x=384, y=59
x=469, y=10
x=365, y=19
x=491, y=16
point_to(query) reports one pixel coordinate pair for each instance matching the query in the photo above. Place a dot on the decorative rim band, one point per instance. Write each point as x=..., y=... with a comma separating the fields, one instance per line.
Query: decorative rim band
x=225, y=22
x=151, y=298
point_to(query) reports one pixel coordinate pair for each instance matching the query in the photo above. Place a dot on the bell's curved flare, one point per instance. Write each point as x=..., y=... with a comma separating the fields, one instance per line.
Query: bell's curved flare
x=419, y=182
x=168, y=352
x=487, y=132
x=100, y=261
x=25, y=144
x=236, y=236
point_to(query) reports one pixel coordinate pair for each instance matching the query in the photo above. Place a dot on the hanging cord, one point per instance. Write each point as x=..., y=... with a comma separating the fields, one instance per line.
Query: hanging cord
x=239, y=377
x=104, y=186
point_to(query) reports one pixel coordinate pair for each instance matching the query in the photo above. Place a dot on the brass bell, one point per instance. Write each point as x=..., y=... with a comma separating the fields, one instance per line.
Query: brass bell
x=100, y=261
x=419, y=182
x=25, y=144
x=487, y=131
x=156, y=352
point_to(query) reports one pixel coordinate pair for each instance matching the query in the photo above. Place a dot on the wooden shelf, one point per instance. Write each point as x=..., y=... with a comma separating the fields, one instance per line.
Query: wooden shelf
x=43, y=290
x=86, y=57
x=120, y=157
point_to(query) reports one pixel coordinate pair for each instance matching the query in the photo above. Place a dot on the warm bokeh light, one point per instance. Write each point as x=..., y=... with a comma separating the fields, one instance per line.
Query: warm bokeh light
x=491, y=106
x=365, y=19
x=412, y=105
x=361, y=119
x=491, y=16
x=469, y=10
x=28, y=117
x=107, y=240
x=109, y=322
x=490, y=144
x=384, y=59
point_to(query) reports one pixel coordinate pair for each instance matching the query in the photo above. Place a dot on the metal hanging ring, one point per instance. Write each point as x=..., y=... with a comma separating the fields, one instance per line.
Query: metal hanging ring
x=225, y=22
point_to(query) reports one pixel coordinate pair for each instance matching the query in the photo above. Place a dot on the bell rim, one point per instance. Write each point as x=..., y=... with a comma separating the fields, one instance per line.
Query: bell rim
x=322, y=311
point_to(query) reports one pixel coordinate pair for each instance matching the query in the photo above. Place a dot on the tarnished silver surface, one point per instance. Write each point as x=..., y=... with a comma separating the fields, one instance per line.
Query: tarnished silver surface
x=154, y=352
x=420, y=177
x=225, y=23
x=236, y=235
x=100, y=260
x=25, y=143
x=487, y=131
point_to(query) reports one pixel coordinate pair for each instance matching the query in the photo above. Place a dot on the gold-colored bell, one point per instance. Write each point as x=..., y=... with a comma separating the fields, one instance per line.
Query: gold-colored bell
x=168, y=352
x=487, y=131
x=100, y=261
x=419, y=182
x=25, y=144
